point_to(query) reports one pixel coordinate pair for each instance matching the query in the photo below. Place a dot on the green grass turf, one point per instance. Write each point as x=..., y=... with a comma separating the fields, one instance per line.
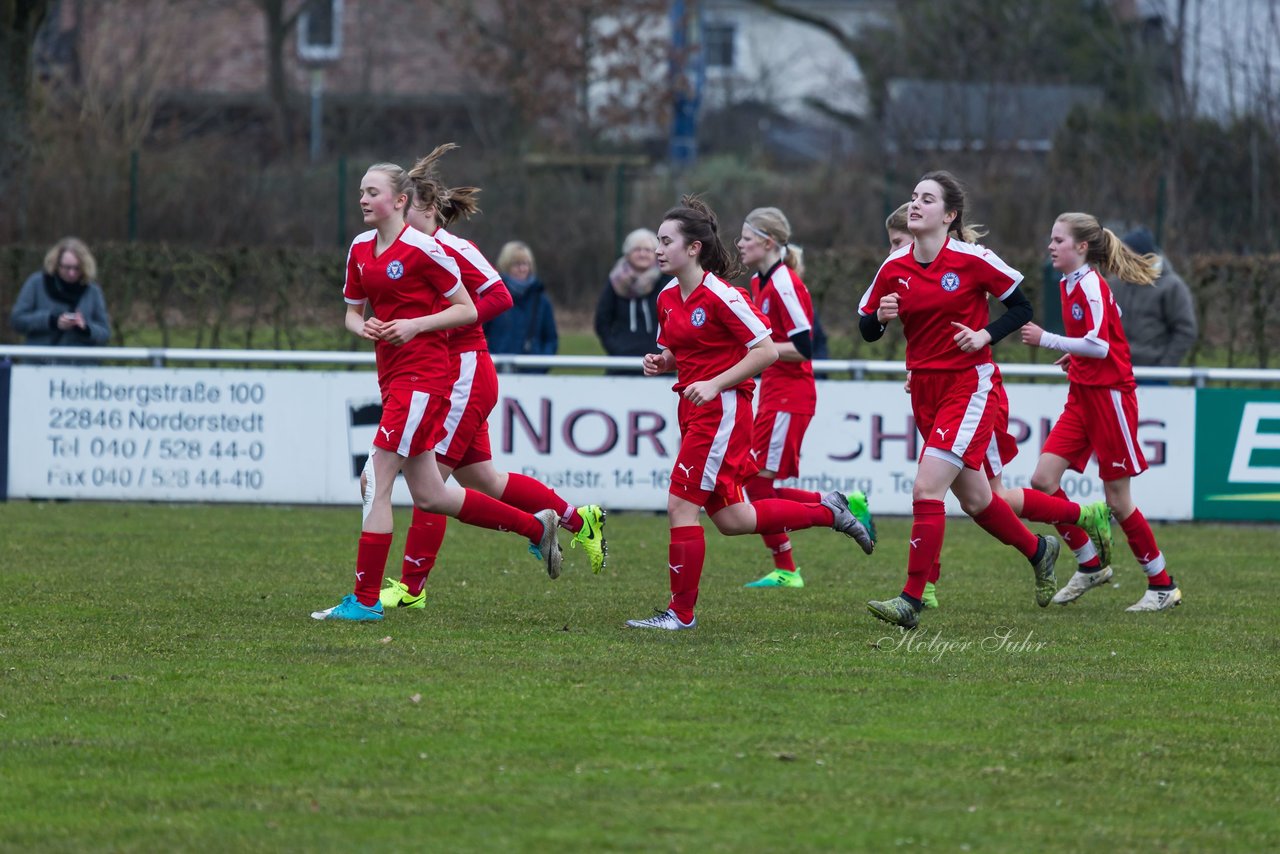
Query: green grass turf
x=163, y=688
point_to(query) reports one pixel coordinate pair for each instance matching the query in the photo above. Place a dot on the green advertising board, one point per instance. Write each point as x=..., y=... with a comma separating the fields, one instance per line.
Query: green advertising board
x=1237, y=454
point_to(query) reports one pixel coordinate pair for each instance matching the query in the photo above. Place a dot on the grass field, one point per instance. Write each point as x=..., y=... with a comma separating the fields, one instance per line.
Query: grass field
x=162, y=688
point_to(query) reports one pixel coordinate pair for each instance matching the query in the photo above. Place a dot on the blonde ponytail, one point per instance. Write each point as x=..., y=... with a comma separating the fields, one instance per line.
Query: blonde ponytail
x=1108, y=252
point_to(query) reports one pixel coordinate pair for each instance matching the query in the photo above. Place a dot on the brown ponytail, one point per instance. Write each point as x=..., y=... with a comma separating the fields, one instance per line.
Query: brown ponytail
x=698, y=223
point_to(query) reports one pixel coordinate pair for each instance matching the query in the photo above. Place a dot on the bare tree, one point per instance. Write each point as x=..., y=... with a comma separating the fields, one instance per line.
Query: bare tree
x=19, y=22
x=280, y=18
x=569, y=70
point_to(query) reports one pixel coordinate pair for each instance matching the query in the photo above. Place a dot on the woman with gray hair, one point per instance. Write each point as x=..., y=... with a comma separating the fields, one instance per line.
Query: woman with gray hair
x=627, y=313
x=62, y=304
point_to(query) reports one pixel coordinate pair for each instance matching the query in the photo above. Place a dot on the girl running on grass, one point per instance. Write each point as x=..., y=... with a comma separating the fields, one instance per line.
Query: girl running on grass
x=1101, y=415
x=415, y=292
x=1089, y=542
x=788, y=394
x=465, y=452
x=938, y=287
x=716, y=341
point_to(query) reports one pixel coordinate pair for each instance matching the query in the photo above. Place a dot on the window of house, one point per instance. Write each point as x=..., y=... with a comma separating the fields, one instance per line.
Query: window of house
x=718, y=44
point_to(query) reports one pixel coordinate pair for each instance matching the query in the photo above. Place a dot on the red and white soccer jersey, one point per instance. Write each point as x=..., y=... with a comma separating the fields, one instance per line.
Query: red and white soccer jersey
x=412, y=277
x=1090, y=311
x=786, y=305
x=475, y=381
x=953, y=287
x=709, y=332
x=478, y=277
x=1101, y=415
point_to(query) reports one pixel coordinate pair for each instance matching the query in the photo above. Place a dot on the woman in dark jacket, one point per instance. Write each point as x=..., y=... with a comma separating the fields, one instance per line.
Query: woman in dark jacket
x=529, y=326
x=627, y=313
x=62, y=305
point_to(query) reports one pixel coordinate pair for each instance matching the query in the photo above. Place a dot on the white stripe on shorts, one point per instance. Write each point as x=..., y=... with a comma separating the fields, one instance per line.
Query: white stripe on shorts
x=459, y=397
x=993, y=456
x=778, y=440
x=720, y=444
x=417, y=408
x=973, y=412
x=1117, y=401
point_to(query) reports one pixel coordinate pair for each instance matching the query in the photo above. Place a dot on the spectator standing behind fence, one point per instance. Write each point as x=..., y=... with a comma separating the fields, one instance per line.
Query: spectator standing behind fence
x=62, y=305
x=1159, y=321
x=627, y=312
x=529, y=326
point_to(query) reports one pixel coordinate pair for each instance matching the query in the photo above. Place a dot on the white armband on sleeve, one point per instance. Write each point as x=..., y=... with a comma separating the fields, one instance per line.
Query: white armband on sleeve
x=1090, y=348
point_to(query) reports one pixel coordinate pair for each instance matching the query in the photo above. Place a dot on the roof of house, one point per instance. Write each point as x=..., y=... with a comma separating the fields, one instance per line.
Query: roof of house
x=955, y=116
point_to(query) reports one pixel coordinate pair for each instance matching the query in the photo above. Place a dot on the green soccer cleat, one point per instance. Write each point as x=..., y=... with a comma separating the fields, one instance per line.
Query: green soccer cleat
x=1046, y=582
x=1095, y=518
x=930, y=596
x=860, y=507
x=351, y=610
x=592, y=536
x=396, y=595
x=779, y=578
x=897, y=610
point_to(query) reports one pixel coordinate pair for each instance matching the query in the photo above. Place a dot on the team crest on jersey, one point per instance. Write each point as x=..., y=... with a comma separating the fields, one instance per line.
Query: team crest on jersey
x=765, y=308
x=698, y=317
x=395, y=270
x=1077, y=311
x=950, y=282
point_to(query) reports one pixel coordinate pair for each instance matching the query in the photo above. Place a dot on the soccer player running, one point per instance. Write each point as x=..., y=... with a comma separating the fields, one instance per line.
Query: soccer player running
x=465, y=452
x=716, y=341
x=1101, y=414
x=415, y=292
x=1089, y=542
x=938, y=287
x=788, y=394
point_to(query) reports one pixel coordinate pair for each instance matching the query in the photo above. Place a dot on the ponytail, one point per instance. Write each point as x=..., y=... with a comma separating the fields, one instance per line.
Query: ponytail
x=455, y=202
x=1108, y=252
x=424, y=179
x=698, y=223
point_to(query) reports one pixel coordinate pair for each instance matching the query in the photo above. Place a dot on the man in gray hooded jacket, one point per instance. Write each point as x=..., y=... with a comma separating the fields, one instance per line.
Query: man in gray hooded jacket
x=1159, y=320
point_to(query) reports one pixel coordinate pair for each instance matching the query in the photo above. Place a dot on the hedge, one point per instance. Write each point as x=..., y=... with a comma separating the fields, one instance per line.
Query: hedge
x=290, y=298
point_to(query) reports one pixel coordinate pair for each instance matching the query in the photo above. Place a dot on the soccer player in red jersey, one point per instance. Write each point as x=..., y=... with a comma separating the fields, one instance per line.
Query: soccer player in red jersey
x=1089, y=542
x=1101, y=415
x=464, y=452
x=415, y=292
x=716, y=341
x=788, y=394
x=938, y=287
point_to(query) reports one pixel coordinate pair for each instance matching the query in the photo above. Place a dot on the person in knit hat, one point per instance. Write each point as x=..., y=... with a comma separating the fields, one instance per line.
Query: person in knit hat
x=1159, y=321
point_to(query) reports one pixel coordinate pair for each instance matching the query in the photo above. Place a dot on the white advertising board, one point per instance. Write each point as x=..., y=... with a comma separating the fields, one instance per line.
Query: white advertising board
x=300, y=437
